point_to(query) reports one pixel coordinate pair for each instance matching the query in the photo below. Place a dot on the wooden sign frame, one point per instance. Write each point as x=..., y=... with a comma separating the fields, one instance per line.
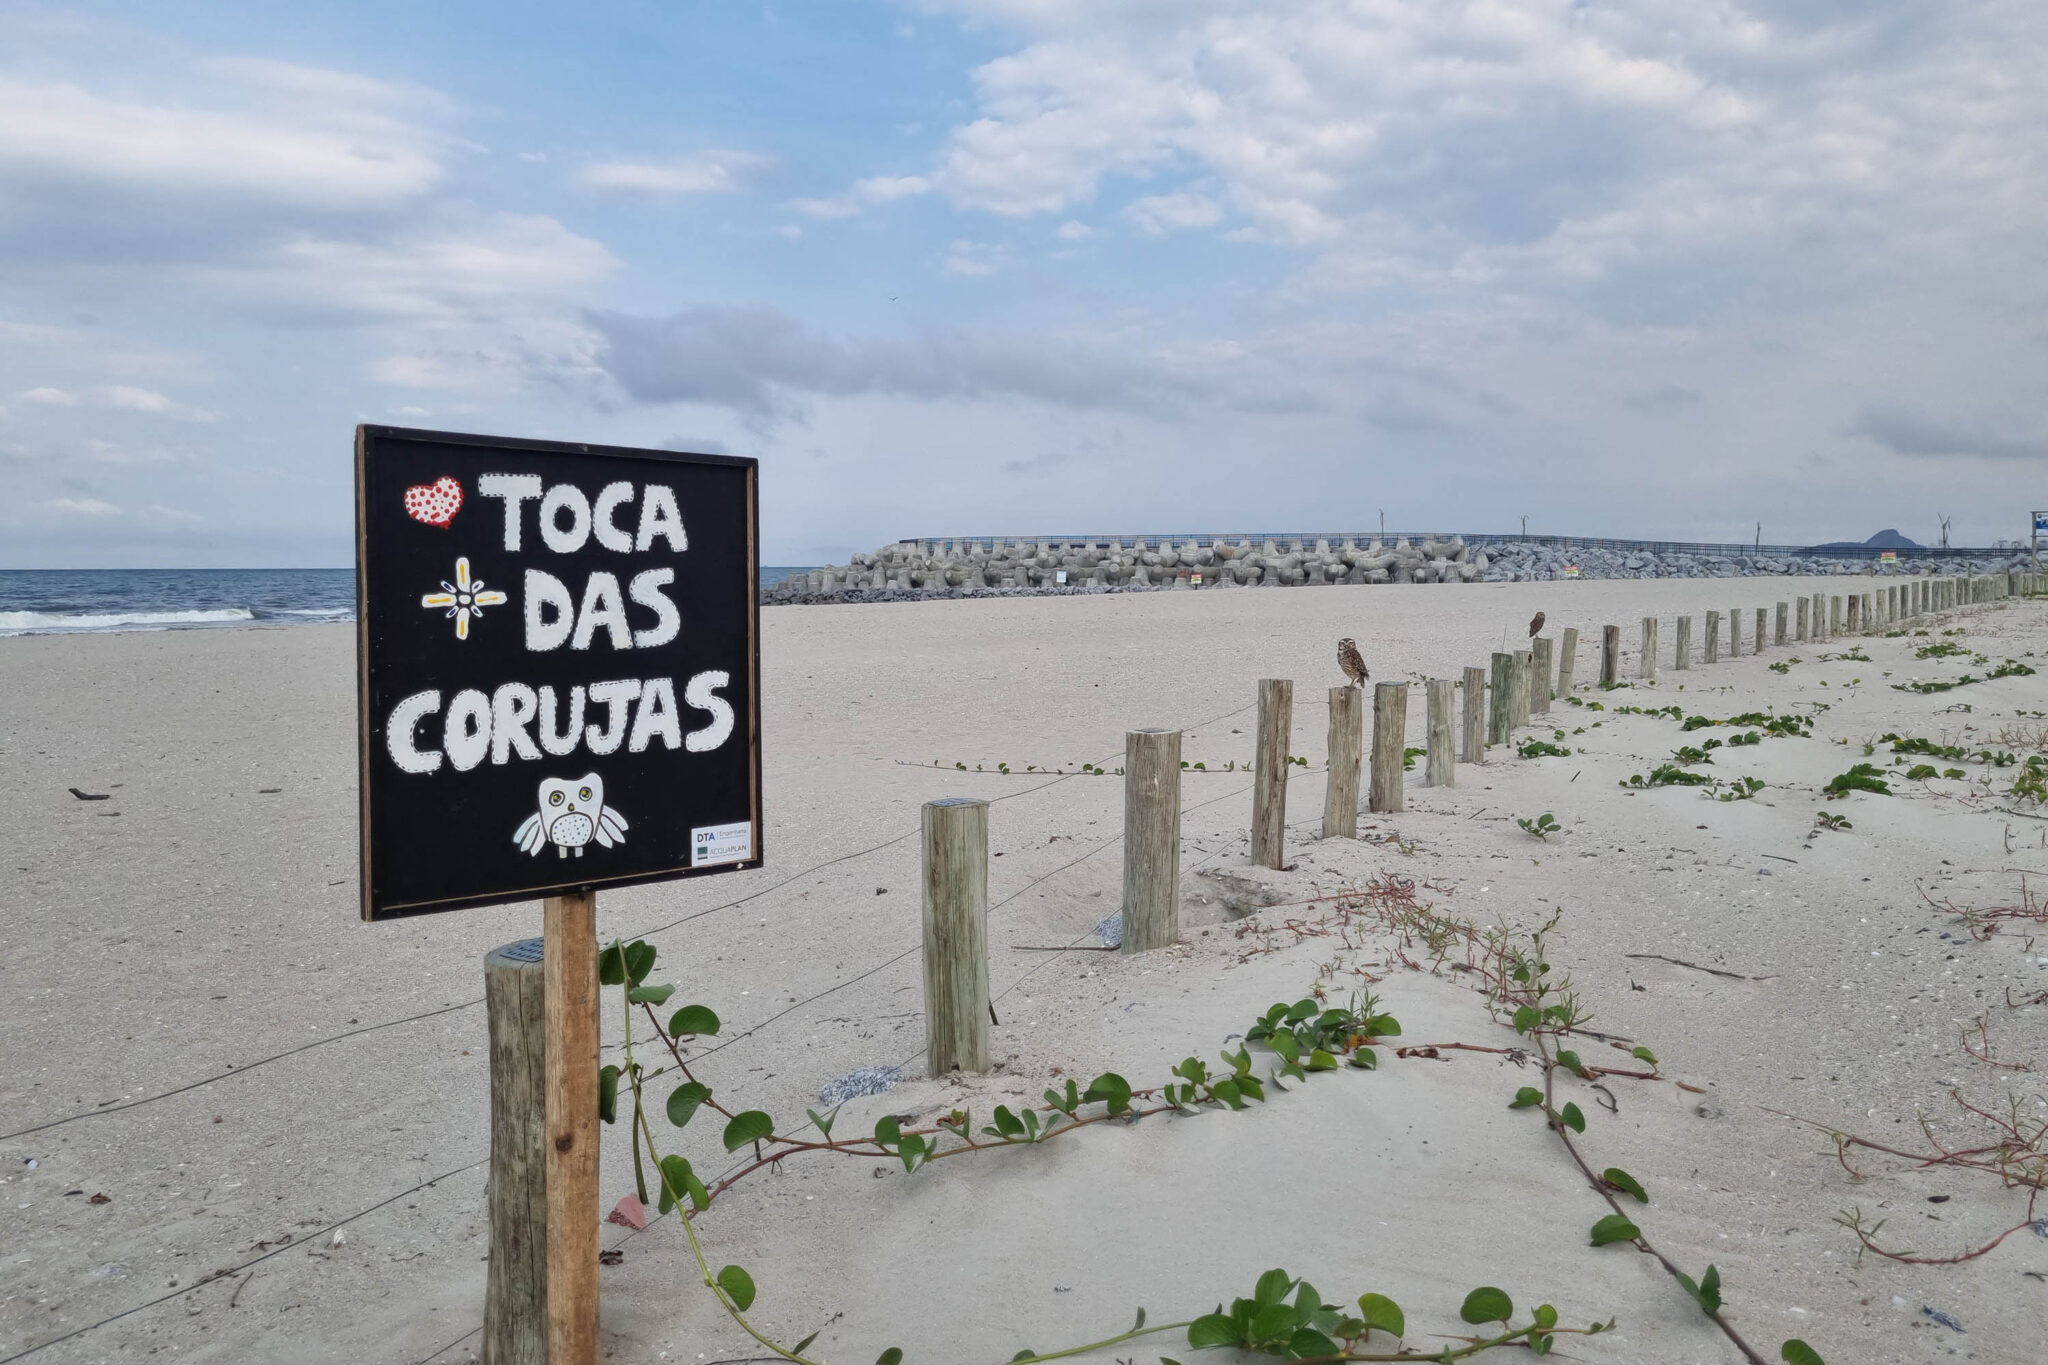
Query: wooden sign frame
x=448, y=520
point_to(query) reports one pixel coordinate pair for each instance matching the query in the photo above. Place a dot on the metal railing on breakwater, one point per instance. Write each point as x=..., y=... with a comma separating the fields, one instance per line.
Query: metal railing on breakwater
x=1702, y=549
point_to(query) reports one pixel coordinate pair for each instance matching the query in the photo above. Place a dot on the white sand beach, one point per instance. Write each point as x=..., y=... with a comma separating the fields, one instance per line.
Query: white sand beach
x=158, y=945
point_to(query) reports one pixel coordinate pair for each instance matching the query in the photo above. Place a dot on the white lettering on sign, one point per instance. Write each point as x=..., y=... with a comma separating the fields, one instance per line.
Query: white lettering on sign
x=553, y=617
x=721, y=843
x=527, y=723
x=569, y=519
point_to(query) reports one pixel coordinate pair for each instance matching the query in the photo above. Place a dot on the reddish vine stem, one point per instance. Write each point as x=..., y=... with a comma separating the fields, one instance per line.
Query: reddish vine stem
x=1599, y=1185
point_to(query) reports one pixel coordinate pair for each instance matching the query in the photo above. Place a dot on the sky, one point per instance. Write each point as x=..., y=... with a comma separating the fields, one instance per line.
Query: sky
x=1647, y=268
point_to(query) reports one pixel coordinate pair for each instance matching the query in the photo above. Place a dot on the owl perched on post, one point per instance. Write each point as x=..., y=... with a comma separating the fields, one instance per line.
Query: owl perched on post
x=1535, y=624
x=572, y=814
x=1348, y=659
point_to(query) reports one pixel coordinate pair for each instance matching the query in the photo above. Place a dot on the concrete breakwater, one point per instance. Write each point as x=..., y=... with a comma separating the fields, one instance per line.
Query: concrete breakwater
x=1003, y=566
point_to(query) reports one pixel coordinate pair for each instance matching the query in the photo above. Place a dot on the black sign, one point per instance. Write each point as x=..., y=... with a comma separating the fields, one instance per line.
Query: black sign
x=558, y=667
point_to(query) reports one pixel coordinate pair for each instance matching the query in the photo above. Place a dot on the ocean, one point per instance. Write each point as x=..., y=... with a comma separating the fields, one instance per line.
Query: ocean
x=62, y=601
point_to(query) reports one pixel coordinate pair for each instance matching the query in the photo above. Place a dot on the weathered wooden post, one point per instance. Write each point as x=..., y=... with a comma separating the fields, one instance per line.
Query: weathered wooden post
x=1389, y=744
x=1567, y=660
x=1646, y=667
x=1541, y=673
x=1681, y=656
x=1347, y=740
x=1500, y=716
x=1834, y=616
x=1269, y=772
x=1713, y=637
x=1152, y=839
x=569, y=999
x=516, y=1288
x=1781, y=635
x=1855, y=622
x=1525, y=667
x=1610, y=655
x=956, y=935
x=1442, y=759
x=1734, y=632
x=1475, y=715
x=1762, y=630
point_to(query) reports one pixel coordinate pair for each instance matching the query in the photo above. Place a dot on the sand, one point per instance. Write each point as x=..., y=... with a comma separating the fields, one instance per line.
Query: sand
x=199, y=922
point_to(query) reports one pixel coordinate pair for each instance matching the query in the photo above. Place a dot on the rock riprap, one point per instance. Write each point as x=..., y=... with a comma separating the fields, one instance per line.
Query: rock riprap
x=999, y=567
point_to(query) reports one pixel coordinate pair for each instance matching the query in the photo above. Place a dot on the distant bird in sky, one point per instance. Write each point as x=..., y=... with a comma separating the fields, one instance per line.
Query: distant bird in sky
x=1348, y=659
x=1535, y=624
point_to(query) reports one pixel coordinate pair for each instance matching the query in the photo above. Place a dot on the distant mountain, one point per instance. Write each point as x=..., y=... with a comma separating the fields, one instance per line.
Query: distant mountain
x=1887, y=539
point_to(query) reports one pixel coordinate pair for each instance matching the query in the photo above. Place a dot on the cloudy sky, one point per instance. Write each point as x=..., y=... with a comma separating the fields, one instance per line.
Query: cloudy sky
x=1625, y=267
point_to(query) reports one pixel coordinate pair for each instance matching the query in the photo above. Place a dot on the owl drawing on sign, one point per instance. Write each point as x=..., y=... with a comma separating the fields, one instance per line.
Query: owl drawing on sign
x=571, y=815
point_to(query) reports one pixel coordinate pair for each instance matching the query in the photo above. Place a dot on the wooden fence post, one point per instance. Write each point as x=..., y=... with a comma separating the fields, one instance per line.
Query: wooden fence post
x=1443, y=764
x=1762, y=627
x=1524, y=668
x=1541, y=672
x=1780, y=637
x=1646, y=667
x=1500, y=716
x=1347, y=739
x=1610, y=655
x=1834, y=616
x=569, y=997
x=956, y=935
x=1713, y=637
x=1475, y=715
x=1269, y=775
x=1389, y=744
x=516, y=1290
x=1567, y=660
x=1855, y=621
x=1735, y=632
x=1152, y=839
x=1681, y=647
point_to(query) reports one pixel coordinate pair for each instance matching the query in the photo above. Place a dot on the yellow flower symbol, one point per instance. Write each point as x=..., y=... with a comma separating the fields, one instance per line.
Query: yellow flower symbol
x=463, y=598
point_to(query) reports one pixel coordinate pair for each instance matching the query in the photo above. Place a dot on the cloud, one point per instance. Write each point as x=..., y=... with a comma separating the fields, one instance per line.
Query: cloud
x=122, y=397
x=714, y=172
x=764, y=364
x=1072, y=231
x=487, y=305
x=1161, y=213
x=1908, y=431
x=329, y=142
x=1531, y=147
x=1665, y=398
x=881, y=189
x=975, y=258
x=82, y=507
x=131, y=399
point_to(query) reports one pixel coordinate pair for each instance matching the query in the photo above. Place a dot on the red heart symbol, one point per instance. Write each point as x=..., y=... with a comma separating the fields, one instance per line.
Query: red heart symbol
x=434, y=503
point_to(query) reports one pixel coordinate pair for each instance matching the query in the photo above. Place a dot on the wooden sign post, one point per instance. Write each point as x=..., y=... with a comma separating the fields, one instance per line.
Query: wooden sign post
x=558, y=669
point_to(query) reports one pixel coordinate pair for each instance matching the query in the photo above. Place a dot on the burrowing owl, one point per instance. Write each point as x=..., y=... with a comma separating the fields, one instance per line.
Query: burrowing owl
x=1348, y=659
x=1535, y=624
x=572, y=815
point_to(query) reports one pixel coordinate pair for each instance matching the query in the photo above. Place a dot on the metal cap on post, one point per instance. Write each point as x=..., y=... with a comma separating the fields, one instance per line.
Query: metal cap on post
x=956, y=1001
x=1151, y=905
